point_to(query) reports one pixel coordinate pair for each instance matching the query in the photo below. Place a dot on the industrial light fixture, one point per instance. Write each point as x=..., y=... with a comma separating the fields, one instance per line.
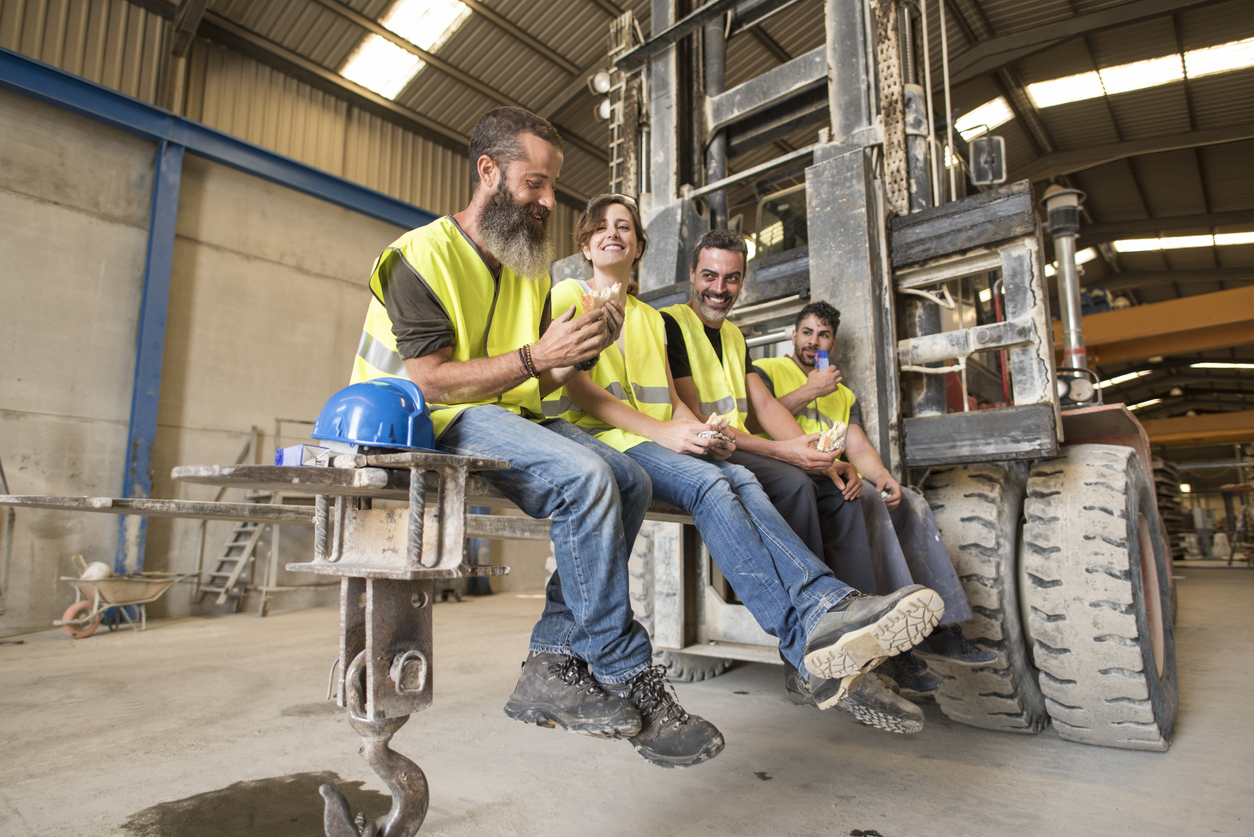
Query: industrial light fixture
x=599, y=82
x=385, y=68
x=1149, y=403
x=1123, y=379
x=1176, y=392
x=603, y=110
x=1215, y=364
x=1185, y=488
x=1181, y=242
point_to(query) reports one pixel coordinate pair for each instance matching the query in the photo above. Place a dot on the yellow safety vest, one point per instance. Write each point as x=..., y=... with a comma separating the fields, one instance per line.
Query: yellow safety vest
x=635, y=374
x=820, y=414
x=489, y=316
x=720, y=387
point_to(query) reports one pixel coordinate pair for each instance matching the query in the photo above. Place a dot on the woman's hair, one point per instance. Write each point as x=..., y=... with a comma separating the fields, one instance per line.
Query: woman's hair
x=595, y=214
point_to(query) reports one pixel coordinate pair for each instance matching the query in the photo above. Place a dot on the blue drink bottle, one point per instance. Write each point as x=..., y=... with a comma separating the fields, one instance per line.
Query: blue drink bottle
x=820, y=359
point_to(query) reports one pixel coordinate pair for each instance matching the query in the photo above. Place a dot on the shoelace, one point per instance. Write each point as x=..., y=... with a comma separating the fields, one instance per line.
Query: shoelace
x=574, y=672
x=655, y=699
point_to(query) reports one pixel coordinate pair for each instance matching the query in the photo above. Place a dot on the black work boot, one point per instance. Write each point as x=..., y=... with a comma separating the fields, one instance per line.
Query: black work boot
x=875, y=704
x=669, y=736
x=862, y=631
x=912, y=676
x=949, y=645
x=558, y=691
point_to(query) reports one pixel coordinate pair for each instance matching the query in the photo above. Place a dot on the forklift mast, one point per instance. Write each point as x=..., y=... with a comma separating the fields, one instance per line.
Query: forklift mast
x=876, y=244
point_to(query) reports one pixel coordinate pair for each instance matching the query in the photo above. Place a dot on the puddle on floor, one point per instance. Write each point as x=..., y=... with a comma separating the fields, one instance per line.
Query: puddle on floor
x=282, y=806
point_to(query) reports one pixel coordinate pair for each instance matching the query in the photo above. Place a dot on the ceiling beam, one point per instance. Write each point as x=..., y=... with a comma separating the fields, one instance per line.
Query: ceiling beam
x=995, y=53
x=372, y=25
x=525, y=38
x=1091, y=234
x=250, y=43
x=1190, y=324
x=1237, y=426
x=1068, y=162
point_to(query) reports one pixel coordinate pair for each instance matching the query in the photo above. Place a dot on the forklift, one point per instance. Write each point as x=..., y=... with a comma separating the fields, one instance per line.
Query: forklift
x=1043, y=494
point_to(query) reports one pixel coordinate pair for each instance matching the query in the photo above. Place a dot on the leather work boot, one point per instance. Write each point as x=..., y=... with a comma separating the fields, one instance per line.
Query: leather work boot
x=912, y=676
x=862, y=631
x=817, y=692
x=876, y=705
x=669, y=737
x=558, y=691
x=948, y=644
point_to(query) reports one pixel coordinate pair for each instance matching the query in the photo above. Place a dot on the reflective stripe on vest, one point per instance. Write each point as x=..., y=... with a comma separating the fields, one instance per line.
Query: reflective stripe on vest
x=720, y=386
x=489, y=316
x=640, y=362
x=786, y=376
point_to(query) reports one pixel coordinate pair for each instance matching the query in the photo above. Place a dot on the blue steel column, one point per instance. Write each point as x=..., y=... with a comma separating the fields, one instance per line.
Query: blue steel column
x=149, y=352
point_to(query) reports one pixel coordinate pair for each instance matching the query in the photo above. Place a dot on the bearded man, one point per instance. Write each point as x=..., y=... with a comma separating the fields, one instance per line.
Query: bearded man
x=462, y=306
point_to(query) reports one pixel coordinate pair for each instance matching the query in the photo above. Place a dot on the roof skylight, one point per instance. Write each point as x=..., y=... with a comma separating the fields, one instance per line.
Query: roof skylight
x=1149, y=403
x=984, y=118
x=1215, y=364
x=1235, y=55
x=1180, y=242
x=1081, y=257
x=385, y=68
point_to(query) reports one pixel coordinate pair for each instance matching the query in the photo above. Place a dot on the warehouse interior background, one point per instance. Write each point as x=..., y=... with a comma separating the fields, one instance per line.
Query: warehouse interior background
x=1145, y=105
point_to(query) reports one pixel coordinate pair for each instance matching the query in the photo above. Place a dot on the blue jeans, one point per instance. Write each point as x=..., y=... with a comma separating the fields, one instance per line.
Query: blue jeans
x=785, y=587
x=597, y=498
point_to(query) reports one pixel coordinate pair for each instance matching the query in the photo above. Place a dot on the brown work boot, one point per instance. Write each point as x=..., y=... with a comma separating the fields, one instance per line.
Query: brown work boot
x=669, y=737
x=558, y=691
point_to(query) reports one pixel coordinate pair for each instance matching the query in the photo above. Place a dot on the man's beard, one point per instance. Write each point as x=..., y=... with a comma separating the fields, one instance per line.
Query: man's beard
x=710, y=314
x=513, y=238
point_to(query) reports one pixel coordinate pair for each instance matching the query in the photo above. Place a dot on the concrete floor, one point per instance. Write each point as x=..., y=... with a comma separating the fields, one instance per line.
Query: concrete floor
x=216, y=727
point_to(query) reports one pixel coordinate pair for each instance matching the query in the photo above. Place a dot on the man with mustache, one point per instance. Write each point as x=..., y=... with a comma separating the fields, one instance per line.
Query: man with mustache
x=814, y=492
x=899, y=521
x=462, y=306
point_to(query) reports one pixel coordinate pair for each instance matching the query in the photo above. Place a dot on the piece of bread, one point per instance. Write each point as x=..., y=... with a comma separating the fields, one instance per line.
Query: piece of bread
x=717, y=422
x=597, y=299
x=833, y=438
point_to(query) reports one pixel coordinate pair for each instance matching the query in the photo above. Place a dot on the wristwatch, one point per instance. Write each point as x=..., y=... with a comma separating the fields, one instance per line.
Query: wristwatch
x=585, y=365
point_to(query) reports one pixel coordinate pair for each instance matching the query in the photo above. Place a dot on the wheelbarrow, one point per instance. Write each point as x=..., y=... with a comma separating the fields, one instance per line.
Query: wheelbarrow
x=94, y=596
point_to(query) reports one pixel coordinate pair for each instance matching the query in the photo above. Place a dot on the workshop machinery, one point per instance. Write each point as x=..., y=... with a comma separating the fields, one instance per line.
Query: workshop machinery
x=1044, y=496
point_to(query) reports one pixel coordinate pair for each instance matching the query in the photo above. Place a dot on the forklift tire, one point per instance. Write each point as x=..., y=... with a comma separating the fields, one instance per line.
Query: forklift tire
x=685, y=668
x=1099, y=599
x=80, y=624
x=977, y=510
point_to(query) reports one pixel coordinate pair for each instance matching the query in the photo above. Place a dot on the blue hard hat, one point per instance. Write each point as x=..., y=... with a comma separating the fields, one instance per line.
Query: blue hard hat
x=383, y=413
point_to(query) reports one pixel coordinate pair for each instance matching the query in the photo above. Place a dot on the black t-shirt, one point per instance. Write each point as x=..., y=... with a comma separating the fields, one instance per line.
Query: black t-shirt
x=677, y=349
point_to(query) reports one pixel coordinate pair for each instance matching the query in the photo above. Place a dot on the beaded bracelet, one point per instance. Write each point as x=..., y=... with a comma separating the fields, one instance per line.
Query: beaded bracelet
x=528, y=363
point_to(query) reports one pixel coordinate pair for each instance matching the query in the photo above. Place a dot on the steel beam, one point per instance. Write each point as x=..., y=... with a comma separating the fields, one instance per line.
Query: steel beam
x=149, y=353
x=662, y=39
x=1068, y=162
x=1208, y=428
x=1190, y=324
x=1149, y=278
x=73, y=93
x=766, y=90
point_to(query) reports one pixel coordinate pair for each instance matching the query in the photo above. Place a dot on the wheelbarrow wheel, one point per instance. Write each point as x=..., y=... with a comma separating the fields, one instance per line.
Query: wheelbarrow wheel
x=79, y=621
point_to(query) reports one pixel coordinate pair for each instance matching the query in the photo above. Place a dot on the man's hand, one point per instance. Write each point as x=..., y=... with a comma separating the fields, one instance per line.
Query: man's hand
x=683, y=436
x=822, y=382
x=800, y=451
x=845, y=475
x=569, y=341
x=887, y=483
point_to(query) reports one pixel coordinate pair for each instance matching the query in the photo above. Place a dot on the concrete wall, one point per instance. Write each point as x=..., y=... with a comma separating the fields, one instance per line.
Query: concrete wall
x=267, y=297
